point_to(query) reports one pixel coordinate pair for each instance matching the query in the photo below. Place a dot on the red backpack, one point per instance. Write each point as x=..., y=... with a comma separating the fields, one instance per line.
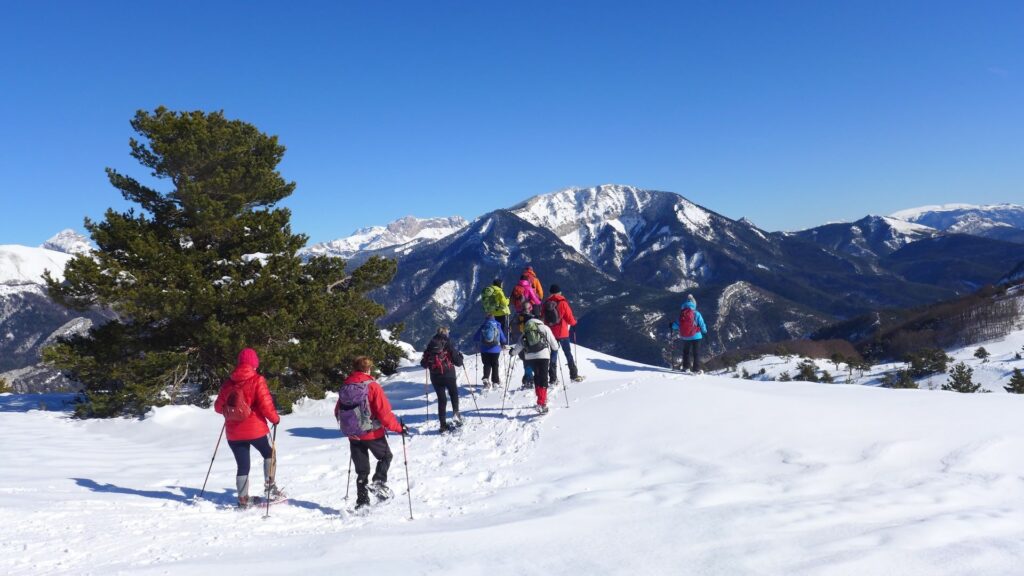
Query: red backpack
x=238, y=406
x=688, y=323
x=518, y=297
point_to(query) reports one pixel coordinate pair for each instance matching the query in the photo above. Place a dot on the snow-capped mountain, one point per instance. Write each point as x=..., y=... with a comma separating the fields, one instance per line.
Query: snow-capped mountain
x=24, y=265
x=400, y=235
x=69, y=242
x=1000, y=221
x=869, y=237
x=28, y=318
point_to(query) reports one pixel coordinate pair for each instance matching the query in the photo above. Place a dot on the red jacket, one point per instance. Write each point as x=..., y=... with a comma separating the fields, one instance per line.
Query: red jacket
x=255, y=388
x=380, y=408
x=561, y=330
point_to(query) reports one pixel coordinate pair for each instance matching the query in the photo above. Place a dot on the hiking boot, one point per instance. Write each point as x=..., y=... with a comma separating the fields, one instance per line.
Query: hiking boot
x=457, y=419
x=486, y=383
x=542, y=409
x=242, y=485
x=362, y=494
x=577, y=378
x=445, y=427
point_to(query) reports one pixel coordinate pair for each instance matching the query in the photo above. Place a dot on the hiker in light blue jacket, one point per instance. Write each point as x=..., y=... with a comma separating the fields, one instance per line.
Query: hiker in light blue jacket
x=691, y=329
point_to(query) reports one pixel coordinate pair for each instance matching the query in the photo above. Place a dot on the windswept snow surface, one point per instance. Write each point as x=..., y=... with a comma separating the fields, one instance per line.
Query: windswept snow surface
x=23, y=265
x=649, y=472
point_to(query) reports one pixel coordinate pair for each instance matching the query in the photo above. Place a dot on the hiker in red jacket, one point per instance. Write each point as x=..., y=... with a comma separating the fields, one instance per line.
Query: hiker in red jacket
x=246, y=404
x=364, y=413
x=557, y=315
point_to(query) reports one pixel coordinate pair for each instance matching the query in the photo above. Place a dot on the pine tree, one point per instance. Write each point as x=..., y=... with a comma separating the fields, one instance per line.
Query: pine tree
x=1016, y=382
x=960, y=380
x=981, y=354
x=899, y=379
x=807, y=371
x=198, y=272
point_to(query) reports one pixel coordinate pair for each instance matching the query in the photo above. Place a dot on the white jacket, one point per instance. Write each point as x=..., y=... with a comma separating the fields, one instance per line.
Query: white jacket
x=545, y=353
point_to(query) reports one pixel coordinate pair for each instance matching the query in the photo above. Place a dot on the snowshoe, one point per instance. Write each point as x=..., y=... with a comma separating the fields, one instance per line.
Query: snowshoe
x=541, y=409
x=381, y=492
x=578, y=378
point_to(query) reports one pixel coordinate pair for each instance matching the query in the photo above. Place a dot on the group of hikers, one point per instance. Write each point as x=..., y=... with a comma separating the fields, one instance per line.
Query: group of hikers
x=531, y=328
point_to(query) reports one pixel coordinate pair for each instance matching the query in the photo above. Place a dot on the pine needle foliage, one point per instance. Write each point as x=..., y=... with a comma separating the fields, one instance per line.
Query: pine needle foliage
x=1016, y=385
x=205, y=267
x=961, y=380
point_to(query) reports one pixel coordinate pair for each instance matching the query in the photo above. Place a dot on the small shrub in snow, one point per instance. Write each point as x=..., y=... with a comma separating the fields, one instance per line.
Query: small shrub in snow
x=807, y=371
x=927, y=361
x=826, y=377
x=1016, y=356
x=761, y=372
x=745, y=375
x=981, y=354
x=5, y=388
x=1016, y=382
x=899, y=379
x=961, y=380
x=785, y=377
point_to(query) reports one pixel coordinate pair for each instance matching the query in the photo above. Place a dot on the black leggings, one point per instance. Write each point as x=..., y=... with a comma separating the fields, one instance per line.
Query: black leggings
x=491, y=366
x=240, y=448
x=442, y=385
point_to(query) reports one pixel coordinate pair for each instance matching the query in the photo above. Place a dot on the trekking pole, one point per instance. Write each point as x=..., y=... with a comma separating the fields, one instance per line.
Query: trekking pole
x=426, y=391
x=504, y=395
x=349, y=481
x=561, y=369
x=273, y=466
x=473, y=395
x=215, y=448
x=405, y=453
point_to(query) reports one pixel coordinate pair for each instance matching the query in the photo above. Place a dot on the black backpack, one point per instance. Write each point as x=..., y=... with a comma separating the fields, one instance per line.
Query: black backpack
x=551, y=315
x=436, y=357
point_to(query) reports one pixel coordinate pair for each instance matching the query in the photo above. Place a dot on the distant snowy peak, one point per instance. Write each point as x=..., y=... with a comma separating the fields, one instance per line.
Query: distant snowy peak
x=69, y=242
x=24, y=265
x=407, y=231
x=870, y=236
x=990, y=220
x=604, y=222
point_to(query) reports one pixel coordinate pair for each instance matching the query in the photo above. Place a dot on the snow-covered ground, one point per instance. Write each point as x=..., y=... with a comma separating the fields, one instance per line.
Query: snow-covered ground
x=992, y=373
x=648, y=472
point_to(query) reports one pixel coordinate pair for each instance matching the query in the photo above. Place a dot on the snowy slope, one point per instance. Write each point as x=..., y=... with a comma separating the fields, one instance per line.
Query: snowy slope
x=22, y=265
x=870, y=237
x=647, y=473
x=994, y=221
x=404, y=232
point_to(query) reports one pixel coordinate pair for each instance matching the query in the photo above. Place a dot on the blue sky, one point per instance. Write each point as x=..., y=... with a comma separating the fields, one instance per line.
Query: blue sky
x=789, y=113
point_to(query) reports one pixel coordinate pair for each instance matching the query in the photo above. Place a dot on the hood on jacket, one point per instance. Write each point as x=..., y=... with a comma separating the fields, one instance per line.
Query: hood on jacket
x=689, y=304
x=243, y=373
x=248, y=357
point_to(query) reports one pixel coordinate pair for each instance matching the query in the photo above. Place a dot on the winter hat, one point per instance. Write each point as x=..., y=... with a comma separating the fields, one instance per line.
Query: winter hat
x=442, y=330
x=690, y=298
x=554, y=289
x=496, y=282
x=248, y=357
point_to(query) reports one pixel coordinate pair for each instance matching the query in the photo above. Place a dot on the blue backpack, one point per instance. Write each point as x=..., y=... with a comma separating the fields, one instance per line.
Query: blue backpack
x=490, y=335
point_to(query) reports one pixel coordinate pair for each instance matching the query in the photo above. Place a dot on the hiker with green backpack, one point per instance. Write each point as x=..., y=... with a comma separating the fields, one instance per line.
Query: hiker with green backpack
x=496, y=304
x=535, y=348
x=491, y=338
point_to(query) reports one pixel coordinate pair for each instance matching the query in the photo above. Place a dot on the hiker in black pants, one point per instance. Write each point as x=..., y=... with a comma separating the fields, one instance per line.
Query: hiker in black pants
x=442, y=360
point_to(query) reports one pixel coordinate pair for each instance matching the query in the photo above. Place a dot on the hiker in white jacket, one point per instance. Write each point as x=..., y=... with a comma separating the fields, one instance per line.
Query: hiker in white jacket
x=535, y=347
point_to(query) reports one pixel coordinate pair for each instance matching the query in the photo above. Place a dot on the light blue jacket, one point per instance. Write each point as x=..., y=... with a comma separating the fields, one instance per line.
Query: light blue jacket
x=696, y=316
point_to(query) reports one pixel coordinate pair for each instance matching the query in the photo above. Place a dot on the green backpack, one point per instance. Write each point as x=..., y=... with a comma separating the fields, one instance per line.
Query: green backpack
x=492, y=301
x=533, y=338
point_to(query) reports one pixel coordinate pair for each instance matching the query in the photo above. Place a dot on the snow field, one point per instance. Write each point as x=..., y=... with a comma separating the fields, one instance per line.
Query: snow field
x=647, y=472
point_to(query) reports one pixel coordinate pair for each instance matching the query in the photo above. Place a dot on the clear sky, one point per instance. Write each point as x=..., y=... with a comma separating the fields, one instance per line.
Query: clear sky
x=791, y=113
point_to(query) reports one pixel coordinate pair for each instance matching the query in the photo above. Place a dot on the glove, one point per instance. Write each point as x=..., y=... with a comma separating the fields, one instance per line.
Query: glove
x=405, y=429
x=511, y=352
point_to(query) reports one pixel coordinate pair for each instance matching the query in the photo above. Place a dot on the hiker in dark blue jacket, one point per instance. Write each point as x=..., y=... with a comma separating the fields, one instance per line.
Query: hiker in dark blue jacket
x=691, y=329
x=491, y=338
